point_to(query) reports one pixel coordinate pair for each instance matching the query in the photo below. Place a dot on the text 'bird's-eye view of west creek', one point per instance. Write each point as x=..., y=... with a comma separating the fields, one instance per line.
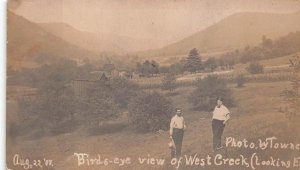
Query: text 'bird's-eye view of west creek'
x=158, y=85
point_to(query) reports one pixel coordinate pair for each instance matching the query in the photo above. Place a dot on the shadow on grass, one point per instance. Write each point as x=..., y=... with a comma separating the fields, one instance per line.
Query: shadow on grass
x=38, y=132
x=66, y=127
x=107, y=128
x=171, y=94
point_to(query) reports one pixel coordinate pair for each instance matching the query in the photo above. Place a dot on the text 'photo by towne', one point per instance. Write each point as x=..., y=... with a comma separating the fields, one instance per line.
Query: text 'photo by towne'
x=153, y=84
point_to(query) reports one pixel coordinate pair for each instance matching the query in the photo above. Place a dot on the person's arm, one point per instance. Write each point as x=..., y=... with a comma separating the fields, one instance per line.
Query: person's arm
x=184, y=124
x=213, y=112
x=227, y=115
x=227, y=118
x=171, y=127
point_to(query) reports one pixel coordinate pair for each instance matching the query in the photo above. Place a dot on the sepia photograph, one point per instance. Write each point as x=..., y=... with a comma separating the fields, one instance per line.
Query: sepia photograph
x=152, y=84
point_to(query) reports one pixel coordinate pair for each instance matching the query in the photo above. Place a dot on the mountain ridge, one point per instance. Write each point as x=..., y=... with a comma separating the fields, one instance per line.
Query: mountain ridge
x=96, y=42
x=28, y=42
x=235, y=31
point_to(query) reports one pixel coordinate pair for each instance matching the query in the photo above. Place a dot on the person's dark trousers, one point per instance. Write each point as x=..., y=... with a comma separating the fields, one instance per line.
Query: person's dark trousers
x=177, y=137
x=173, y=153
x=217, y=129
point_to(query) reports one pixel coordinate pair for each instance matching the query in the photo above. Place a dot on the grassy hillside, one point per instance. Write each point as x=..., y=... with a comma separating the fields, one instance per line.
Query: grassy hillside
x=255, y=116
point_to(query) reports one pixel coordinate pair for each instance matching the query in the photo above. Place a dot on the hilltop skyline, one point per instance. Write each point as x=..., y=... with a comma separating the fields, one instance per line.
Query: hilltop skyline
x=162, y=22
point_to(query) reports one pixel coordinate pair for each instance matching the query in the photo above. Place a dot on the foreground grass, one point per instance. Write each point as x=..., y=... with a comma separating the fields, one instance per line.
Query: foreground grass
x=255, y=116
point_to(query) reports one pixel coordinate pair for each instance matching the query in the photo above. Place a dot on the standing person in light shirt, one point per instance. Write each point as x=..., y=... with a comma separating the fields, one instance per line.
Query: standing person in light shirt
x=177, y=127
x=219, y=120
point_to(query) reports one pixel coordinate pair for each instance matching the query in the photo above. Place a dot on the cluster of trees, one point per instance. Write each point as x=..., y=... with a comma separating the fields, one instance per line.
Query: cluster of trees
x=54, y=103
x=64, y=69
x=148, y=111
x=268, y=48
x=193, y=63
x=55, y=107
x=176, y=68
x=255, y=68
x=148, y=68
x=292, y=97
x=104, y=100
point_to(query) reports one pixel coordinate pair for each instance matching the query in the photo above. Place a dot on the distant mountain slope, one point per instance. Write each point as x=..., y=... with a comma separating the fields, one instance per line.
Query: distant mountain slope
x=100, y=43
x=89, y=41
x=237, y=30
x=27, y=42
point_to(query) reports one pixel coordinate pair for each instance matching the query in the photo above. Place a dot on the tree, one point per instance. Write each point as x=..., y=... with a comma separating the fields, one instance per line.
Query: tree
x=240, y=80
x=98, y=104
x=57, y=75
x=266, y=42
x=154, y=69
x=53, y=105
x=177, y=68
x=292, y=95
x=123, y=90
x=255, y=68
x=139, y=67
x=169, y=82
x=206, y=92
x=211, y=63
x=146, y=68
x=164, y=69
x=193, y=62
x=150, y=112
x=109, y=67
x=221, y=63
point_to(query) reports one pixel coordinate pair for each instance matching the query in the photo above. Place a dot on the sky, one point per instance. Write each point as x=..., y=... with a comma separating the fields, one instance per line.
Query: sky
x=164, y=20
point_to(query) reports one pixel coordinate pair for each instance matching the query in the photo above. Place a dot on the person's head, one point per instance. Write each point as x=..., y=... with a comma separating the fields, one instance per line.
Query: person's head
x=220, y=101
x=178, y=111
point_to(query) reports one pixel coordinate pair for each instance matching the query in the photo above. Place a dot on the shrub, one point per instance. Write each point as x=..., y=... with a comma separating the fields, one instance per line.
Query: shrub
x=150, y=112
x=177, y=68
x=169, y=82
x=255, y=68
x=292, y=96
x=206, y=92
x=122, y=90
x=48, y=110
x=240, y=80
x=56, y=105
x=98, y=104
x=105, y=99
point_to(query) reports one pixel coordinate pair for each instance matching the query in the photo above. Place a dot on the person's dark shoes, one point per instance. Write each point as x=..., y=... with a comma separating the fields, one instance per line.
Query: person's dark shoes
x=219, y=147
x=173, y=153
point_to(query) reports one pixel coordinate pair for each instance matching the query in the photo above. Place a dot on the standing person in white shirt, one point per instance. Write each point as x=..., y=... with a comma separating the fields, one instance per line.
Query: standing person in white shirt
x=219, y=120
x=177, y=127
